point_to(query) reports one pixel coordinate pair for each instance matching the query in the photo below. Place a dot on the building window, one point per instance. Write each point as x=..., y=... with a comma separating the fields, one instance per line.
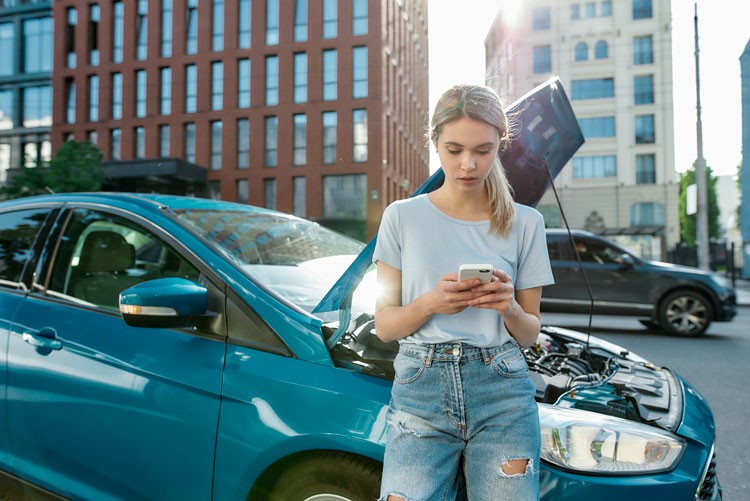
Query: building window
x=140, y=93
x=645, y=169
x=191, y=27
x=300, y=139
x=540, y=18
x=92, y=136
x=647, y=213
x=606, y=8
x=269, y=194
x=93, y=98
x=330, y=75
x=37, y=106
x=244, y=24
x=575, y=11
x=300, y=20
x=216, y=127
x=140, y=143
x=166, y=28
x=115, y=140
x=581, y=51
x=595, y=88
x=359, y=135
x=330, y=120
x=330, y=18
x=116, y=96
x=359, y=17
x=8, y=49
x=299, y=196
x=271, y=141
x=272, y=22
x=70, y=102
x=597, y=127
x=117, y=30
x=243, y=143
x=594, y=166
x=217, y=85
x=141, y=30
x=344, y=197
x=243, y=191
x=165, y=91
x=590, y=9
x=272, y=80
x=217, y=26
x=94, y=17
x=359, y=72
x=643, y=50
x=601, y=50
x=37, y=45
x=641, y=9
x=243, y=83
x=300, y=77
x=214, y=190
x=36, y=153
x=191, y=88
x=164, y=140
x=644, y=129
x=4, y=161
x=70, y=37
x=7, y=109
x=542, y=59
x=190, y=142
x=644, y=89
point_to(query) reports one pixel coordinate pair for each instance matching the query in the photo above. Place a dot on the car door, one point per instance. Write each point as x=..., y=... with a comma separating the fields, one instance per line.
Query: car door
x=99, y=409
x=19, y=230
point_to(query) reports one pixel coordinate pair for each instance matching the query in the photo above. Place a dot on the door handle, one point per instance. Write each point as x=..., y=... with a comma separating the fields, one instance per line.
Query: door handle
x=45, y=339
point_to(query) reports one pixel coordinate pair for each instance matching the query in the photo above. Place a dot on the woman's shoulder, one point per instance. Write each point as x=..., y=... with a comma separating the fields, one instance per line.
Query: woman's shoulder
x=527, y=213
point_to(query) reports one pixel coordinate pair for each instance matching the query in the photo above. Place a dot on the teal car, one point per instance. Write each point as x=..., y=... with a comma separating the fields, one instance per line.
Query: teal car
x=161, y=347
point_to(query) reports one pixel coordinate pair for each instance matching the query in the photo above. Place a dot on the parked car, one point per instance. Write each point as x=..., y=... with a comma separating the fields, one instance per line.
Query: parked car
x=679, y=299
x=167, y=347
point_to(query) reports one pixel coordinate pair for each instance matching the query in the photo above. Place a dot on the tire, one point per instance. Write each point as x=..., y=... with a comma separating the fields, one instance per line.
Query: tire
x=685, y=313
x=328, y=476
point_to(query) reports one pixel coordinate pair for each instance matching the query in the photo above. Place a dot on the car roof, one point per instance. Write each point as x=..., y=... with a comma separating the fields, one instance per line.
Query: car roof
x=574, y=231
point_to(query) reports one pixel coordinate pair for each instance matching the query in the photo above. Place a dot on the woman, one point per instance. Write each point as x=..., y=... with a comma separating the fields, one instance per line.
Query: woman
x=462, y=406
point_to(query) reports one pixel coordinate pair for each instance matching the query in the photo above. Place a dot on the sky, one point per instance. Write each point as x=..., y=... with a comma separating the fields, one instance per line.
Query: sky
x=457, y=30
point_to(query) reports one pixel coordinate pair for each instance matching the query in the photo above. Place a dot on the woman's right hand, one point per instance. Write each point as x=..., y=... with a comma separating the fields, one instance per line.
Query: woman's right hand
x=450, y=296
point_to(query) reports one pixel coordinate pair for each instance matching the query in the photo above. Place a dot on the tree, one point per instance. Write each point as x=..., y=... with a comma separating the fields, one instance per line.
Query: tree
x=77, y=166
x=688, y=222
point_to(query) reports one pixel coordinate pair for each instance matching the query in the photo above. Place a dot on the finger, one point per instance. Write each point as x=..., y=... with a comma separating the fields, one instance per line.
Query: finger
x=501, y=275
x=450, y=277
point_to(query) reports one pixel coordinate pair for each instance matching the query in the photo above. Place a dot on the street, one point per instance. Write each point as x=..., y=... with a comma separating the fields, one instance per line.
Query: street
x=713, y=364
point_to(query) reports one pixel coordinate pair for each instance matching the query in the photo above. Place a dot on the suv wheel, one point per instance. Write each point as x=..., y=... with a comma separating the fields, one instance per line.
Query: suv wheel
x=685, y=313
x=328, y=476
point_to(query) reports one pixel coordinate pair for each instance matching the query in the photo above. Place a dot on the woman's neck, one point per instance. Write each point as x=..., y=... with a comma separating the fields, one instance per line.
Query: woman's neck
x=467, y=207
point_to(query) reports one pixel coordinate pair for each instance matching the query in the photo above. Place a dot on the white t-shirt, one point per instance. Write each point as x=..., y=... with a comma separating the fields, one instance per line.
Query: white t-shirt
x=424, y=243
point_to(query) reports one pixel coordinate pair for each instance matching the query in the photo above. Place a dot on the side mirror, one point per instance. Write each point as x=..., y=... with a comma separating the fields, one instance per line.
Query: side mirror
x=164, y=302
x=627, y=261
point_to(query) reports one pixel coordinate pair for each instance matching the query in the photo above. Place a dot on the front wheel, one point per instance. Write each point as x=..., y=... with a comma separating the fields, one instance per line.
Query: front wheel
x=328, y=476
x=685, y=313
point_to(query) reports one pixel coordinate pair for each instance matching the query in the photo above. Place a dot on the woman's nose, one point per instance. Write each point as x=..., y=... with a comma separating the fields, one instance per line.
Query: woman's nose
x=467, y=161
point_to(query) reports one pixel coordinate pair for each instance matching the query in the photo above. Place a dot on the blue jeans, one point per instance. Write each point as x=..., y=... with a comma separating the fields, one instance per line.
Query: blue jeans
x=458, y=414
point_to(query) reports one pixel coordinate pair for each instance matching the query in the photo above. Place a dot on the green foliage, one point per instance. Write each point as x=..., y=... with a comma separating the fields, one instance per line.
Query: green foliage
x=77, y=166
x=688, y=222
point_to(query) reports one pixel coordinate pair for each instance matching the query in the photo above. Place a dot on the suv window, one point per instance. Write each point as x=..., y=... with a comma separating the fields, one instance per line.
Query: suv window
x=18, y=231
x=593, y=251
x=103, y=254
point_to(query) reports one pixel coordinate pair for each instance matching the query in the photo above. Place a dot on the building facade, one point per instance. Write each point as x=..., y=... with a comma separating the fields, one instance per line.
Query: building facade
x=304, y=106
x=614, y=58
x=745, y=167
x=25, y=87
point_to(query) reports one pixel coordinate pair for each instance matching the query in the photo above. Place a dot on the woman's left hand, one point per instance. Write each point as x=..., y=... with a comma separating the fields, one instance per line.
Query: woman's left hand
x=498, y=295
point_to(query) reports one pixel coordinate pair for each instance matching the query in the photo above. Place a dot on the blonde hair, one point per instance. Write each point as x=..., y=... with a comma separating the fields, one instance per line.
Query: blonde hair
x=481, y=103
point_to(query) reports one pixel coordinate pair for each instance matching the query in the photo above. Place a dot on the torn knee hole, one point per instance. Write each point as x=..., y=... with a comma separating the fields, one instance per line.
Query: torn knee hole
x=395, y=498
x=515, y=466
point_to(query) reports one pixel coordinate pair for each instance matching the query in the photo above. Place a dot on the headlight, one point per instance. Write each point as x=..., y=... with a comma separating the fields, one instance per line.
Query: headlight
x=588, y=442
x=721, y=281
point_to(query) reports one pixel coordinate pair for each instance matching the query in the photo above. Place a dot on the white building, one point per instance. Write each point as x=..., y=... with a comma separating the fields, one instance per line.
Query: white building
x=614, y=58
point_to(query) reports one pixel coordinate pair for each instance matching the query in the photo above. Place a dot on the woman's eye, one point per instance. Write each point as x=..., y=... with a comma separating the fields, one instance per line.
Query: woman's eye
x=453, y=151
x=483, y=152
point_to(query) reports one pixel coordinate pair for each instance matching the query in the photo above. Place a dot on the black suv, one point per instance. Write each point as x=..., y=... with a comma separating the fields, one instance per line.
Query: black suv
x=680, y=299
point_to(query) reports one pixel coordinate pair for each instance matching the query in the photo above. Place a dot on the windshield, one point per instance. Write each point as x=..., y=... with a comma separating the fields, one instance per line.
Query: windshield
x=297, y=259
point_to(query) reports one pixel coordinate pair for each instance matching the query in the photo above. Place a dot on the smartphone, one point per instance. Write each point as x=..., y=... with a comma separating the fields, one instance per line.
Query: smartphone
x=481, y=271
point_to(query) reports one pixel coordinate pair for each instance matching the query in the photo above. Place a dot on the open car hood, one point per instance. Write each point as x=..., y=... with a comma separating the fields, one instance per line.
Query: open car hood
x=548, y=135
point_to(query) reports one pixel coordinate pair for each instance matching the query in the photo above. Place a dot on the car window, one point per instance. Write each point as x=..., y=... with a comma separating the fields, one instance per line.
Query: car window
x=102, y=254
x=18, y=230
x=553, y=248
x=593, y=251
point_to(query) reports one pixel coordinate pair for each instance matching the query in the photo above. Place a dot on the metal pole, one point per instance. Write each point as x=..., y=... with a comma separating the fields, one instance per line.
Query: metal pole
x=701, y=216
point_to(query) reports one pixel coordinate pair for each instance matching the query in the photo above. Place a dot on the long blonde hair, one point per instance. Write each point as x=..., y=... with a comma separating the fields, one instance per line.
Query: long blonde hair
x=481, y=103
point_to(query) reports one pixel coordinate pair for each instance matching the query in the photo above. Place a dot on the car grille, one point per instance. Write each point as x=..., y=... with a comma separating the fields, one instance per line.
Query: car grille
x=709, y=488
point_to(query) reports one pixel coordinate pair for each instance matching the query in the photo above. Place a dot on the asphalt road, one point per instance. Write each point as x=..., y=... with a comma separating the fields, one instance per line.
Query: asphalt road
x=717, y=364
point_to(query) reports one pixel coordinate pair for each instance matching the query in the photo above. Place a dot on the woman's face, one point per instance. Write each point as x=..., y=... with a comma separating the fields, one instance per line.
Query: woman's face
x=467, y=148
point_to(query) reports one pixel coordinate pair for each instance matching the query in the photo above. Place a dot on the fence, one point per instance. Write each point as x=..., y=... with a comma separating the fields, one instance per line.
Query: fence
x=721, y=257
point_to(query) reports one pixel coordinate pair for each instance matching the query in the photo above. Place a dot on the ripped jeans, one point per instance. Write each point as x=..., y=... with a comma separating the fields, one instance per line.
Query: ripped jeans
x=459, y=417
